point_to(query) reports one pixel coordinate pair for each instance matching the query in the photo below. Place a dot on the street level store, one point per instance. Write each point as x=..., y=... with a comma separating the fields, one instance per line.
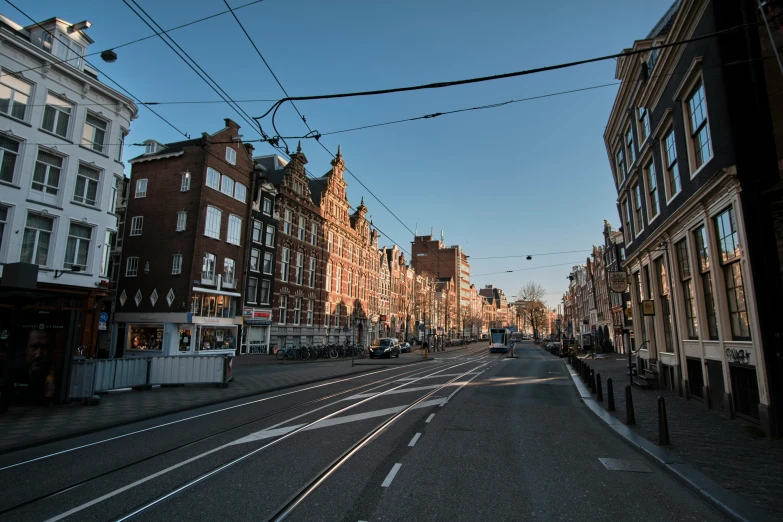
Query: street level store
x=256, y=333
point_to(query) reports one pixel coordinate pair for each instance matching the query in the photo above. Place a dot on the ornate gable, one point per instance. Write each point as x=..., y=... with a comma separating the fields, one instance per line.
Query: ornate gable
x=295, y=178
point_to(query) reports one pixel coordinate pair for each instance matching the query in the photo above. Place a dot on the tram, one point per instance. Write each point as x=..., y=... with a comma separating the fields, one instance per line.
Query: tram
x=499, y=340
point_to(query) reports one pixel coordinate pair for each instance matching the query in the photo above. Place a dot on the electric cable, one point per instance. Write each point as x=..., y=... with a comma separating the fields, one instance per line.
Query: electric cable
x=529, y=268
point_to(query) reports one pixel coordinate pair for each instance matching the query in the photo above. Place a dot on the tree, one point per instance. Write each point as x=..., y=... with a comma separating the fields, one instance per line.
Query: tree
x=535, y=311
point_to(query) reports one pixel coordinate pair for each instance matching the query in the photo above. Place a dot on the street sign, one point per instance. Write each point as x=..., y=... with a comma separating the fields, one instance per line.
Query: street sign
x=103, y=317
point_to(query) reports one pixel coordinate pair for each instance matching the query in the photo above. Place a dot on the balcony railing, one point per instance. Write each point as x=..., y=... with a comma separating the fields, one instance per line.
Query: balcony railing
x=207, y=278
x=229, y=283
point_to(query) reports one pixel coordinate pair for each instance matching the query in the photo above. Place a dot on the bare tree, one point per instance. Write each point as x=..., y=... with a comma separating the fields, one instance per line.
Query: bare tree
x=535, y=311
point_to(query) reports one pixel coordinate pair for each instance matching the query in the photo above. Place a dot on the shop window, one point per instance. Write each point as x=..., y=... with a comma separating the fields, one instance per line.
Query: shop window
x=216, y=338
x=146, y=337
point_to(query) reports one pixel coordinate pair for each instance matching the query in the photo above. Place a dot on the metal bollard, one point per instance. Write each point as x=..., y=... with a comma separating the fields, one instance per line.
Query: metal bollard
x=609, y=395
x=592, y=381
x=663, y=424
x=599, y=392
x=585, y=372
x=629, y=416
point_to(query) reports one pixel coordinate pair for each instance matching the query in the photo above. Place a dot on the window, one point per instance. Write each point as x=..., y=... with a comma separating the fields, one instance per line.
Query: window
x=653, y=207
x=115, y=192
x=78, y=246
x=327, y=313
x=9, y=150
x=663, y=294
x=68, y=50
x=182, y=218
x=176, y=264
x=267, y=263
x=108, y=243
x=329, y=277
x=35, y=243
x=121, y=146
x=185, y=186
x=297, y=187
x=229, y=271
x=240, y=192
x=283, y=309
x=213, y=178
x=728, y=244
x=349, y=282
x=652, y=59
x=267, y=208
x=227, y=186
x=350, y=251
x=136, y=225
x=297, y=310
x=670, y=162
x=255, y=257
x=94, y=133
x=637, y=209
x=270, y=236
x=340, y=246
x=14, y=96
x=287, y=222
x=684, y=266
x=703, y=256
x=619, y=160
x=234, y=230
x=338, y=280
x=46, y=177
x=314, y=234
x=337, y=314
x=644, y=124
x=256, y=234
x=231, y=155
x=131, y=266
x=629, y=150
x=212, y=226
x=300, y=233
x=86, y=189
x=310, y=278
x=699, y=126
x=264, y=297
x=208, y=268
x=310, y=308
x=57, y=115
x=252, y=289
x=141, y=188
x=284, y=265
x=629, y=230
x=299, y=268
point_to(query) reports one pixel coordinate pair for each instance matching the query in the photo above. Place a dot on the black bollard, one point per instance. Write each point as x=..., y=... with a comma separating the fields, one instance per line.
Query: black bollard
x=609, y=395
x=629, y=416
x=663, y=425
x=586, y=373
x=599, y=392
x=592, y=381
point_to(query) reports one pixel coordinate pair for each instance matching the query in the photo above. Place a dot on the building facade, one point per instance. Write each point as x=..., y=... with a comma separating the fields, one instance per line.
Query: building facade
x=61, y=144
x=621, y=328
x=701, y=250
x=184, y=248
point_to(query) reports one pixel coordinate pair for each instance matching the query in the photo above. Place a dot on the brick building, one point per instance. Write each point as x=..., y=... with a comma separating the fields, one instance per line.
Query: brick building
x=184, y=245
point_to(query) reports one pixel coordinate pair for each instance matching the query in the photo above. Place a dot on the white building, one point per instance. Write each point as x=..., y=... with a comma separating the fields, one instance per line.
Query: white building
x=61, y=139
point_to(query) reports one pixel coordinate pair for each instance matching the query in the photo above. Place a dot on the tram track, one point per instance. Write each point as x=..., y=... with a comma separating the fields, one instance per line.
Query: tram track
x=76, y=484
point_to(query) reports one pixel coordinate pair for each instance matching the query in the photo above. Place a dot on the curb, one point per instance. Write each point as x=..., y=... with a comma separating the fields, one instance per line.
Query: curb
x=49, y=440
x=725, y=501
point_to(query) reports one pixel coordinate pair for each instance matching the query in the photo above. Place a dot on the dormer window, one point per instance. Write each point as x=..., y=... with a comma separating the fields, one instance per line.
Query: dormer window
x=652, y=59
x=152, y=147
x=66, y=49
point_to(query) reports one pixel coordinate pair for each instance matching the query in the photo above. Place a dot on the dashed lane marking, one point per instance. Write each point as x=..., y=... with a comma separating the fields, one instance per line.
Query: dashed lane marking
x=387, y=482
x=414, y=439
x=429, y=418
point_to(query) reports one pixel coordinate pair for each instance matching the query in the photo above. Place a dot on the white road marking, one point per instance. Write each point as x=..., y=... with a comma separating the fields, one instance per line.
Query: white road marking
x=438, y=376
x=390, y=476
x=404, y=390
x=429, y=418
x=414, y=439
x=458, y=389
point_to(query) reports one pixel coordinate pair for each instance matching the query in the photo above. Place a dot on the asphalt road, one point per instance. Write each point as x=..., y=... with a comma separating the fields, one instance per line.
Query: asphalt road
x=468, y=436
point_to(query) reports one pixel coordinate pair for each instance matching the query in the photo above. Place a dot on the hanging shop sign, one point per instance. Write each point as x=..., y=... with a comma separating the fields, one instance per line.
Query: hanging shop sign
x=648, y=307
x=618, y=281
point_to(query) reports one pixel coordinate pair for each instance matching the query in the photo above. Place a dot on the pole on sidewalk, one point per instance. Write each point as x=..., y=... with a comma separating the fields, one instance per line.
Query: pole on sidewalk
x=629, y=416
x=609, y=395
x=592, y=381
x=599, y=392
x=663, y=425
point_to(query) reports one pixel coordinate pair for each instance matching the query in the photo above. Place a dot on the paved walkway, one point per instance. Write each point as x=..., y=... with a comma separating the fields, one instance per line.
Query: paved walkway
x=724, y=449
x=25, y=426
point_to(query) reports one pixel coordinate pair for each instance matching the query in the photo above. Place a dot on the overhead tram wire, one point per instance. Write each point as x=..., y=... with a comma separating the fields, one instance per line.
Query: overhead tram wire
x=526, y=269
x=533, y=255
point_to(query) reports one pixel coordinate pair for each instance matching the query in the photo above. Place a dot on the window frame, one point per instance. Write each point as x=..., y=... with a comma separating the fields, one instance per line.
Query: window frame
x=269, y=238
x=235, y=226
x=301, y=232
x=11, y=99
x=132, y=266
x=314, y=234
x=91, y=143
x=212, y=179
x=182, y=221
x=252, y=282
x=704, y=268
x=212, y=214
x=237, y=192
x=285, y=264
x=227, y=185
x=4, y=151
x=185, y=183
x=136, y=230
x=265, y=287
x=58, y=112
x=267, y=202
x=670, y=166
x=282, y=309
x=643, y=122
x=140, y=190
x=696, y=87
x=47, y=189
x=176, y=264
x=731, y=266
x=287, y=218
x=649, y=175
x=254, y=260
x=311, y=277
x=78, y=242
x=299, y=268
x=231, y=156
x=86, y=182
x=271, y=270
x=637, y=207
x=297, y=311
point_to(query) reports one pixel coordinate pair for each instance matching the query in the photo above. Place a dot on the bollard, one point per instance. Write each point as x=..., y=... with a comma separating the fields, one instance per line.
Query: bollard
x=586, y=372
x=663, y=425
x=629, y=416
x=592, y=381
x=599, y=392
x=609, y=395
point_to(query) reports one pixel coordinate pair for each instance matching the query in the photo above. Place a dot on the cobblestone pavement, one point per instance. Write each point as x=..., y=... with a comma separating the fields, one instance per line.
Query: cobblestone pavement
x=30, y=425
x=724, y=449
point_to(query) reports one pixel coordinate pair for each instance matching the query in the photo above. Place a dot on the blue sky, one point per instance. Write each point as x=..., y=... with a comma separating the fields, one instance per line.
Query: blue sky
x=527, y=178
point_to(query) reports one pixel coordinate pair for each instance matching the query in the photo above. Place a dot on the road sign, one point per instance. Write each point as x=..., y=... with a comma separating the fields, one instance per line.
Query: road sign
x=512, y=329
x=103, y=317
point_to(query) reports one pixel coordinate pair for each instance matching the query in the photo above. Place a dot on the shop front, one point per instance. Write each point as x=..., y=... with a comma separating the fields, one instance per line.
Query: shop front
x=257, y=331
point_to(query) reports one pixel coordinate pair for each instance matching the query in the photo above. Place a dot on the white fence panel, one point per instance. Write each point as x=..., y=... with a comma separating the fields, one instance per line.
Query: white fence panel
x=104, y=374
x=120, y=373
x=186, y=369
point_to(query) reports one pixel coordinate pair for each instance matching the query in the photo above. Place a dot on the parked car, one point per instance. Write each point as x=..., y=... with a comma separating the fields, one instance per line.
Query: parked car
x=405, y=347
x=385, y=347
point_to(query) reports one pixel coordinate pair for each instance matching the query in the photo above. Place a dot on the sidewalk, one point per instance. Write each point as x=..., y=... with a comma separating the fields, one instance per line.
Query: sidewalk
x=725, y=450
x=25, y=426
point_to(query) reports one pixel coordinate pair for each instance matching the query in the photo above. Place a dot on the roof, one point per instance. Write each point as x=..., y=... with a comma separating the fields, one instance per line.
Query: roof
x=665, y=23
x=171, y=148
x=316, y=187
